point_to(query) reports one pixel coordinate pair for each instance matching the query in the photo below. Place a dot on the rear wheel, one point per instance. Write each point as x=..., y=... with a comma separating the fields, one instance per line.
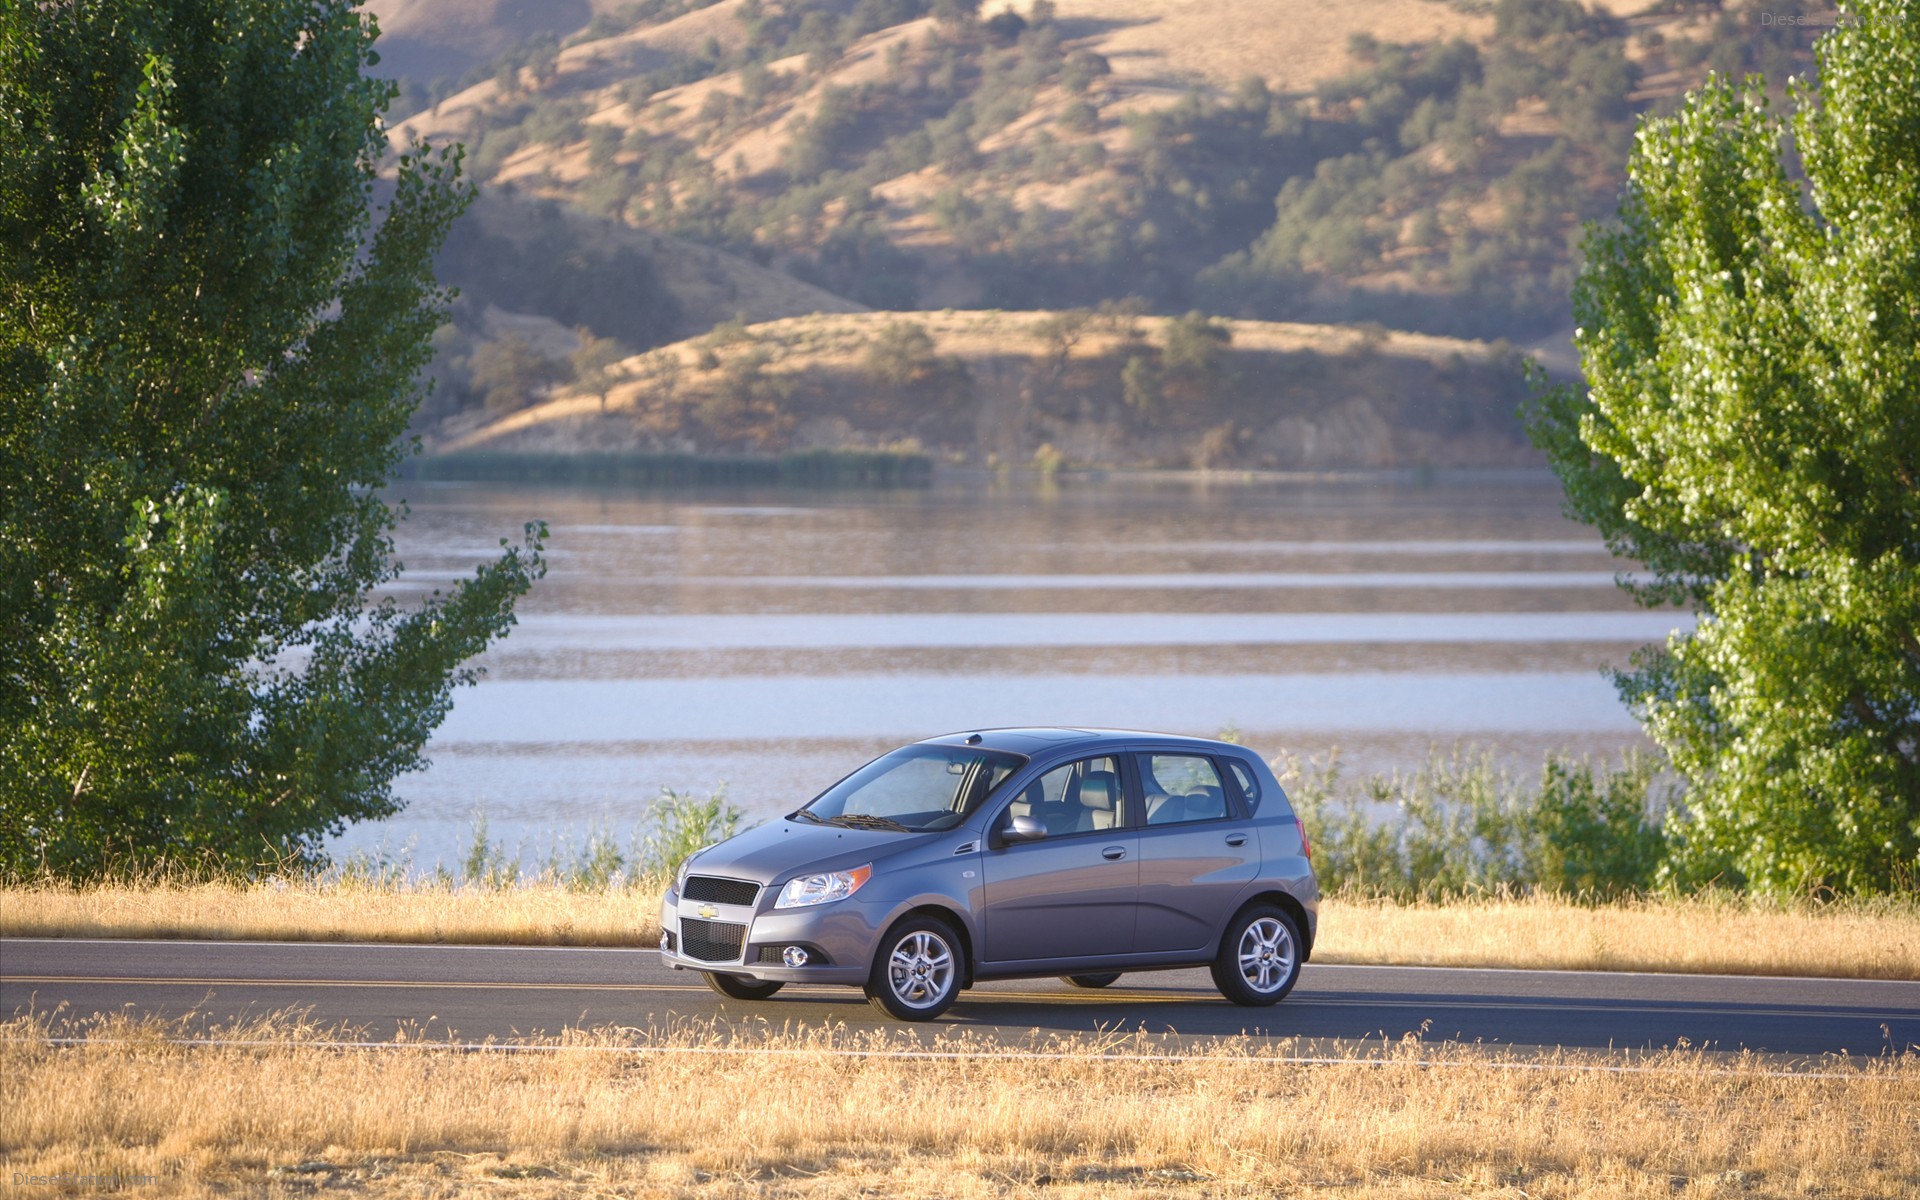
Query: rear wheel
x=1259, y=958
x=1092, y=981
x=739, y=987
x=916, y=974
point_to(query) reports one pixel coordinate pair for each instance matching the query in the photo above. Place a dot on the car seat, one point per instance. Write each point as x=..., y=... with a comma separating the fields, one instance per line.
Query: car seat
x=1099, y=795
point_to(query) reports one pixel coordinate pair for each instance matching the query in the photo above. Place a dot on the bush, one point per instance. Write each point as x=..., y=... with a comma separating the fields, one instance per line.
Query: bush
x=682, y=824
x=676, y=823
x=1463, y=824
x=1597, y=828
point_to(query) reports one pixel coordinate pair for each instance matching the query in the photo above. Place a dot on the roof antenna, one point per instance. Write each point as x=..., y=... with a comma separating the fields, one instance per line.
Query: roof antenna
x=973, y=739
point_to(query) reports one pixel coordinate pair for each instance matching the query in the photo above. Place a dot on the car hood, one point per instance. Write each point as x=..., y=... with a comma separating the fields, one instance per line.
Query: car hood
x=781, y=849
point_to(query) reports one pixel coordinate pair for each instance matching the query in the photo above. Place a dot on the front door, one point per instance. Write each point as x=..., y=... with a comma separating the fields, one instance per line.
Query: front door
x=1072, y=893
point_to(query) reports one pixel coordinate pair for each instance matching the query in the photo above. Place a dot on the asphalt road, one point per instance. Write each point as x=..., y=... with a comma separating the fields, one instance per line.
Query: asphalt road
x=479, y=992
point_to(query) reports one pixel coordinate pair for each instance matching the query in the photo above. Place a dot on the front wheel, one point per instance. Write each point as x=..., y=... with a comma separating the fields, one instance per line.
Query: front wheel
x=1092, y=981
x=1259, y=958
x=916, y=974
x=736, y=987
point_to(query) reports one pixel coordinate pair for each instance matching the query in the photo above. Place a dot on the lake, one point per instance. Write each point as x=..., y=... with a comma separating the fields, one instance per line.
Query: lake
x=772, y=641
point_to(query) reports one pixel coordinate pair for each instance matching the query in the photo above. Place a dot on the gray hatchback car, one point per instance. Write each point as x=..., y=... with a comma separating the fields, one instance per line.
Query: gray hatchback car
x=1009, y=853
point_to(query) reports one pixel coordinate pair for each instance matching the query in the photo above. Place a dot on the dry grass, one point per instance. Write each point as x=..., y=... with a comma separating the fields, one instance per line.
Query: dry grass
x=795, y=1115
x=1860, y=940
x=1703, y=935
x=336, y=912
x=1292, y=44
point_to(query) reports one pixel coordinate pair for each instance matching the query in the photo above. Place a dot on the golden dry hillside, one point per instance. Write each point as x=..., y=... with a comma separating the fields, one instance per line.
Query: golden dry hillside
x=1421, y=164
x=1046, y=388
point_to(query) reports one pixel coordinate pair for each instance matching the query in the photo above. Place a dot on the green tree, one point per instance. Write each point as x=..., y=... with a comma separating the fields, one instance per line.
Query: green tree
x=902, y=353
x=593, y=362
x=510, y=372
x=208, y=356
x=1194, y=370
x=1752, y=435
x=1140, y=388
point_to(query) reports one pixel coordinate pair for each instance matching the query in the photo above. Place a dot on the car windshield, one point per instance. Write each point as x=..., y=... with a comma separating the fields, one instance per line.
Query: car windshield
x=915, y=789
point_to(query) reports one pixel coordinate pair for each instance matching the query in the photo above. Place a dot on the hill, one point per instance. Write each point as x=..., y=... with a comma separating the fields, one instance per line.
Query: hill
x=650, y=169
x=1418, y=162
x=1005, y=388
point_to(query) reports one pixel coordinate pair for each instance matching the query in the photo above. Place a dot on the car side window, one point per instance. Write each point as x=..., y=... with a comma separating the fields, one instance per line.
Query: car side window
x=1248, y=781
x=1081, y=797
x=1181, y=788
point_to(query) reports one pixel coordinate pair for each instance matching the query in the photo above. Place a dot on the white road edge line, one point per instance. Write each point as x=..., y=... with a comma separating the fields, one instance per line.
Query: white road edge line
x=940, y=1055
x=1316, y=966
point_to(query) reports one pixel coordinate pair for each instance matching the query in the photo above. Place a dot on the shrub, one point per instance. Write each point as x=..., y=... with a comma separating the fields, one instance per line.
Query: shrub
x=682, y=824
x=1461, y=823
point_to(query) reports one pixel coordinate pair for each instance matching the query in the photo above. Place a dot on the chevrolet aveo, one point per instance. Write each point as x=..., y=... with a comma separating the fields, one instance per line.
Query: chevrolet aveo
x=1009, y=853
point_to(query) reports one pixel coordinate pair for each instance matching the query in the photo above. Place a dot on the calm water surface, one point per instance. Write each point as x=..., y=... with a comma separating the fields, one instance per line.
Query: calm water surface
x=773, y=641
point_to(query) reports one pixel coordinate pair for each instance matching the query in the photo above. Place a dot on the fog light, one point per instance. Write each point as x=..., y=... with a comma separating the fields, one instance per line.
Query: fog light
x=794, y=956
x=666, y=942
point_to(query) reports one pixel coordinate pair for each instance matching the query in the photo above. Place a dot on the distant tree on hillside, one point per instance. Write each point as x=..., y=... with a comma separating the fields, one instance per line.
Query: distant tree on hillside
x=510, y=372
x=593, y=362
x=956, y=12
x=900, y=353
x=903, y=356
x=1193, y=364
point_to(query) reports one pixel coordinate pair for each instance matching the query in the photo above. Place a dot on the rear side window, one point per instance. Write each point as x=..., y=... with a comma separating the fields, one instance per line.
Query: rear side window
x=1248, y=781
x=1181, y=788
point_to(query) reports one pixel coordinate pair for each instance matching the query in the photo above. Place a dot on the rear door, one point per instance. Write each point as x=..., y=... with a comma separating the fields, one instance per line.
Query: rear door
x=1071, y=894
x=1198, y=851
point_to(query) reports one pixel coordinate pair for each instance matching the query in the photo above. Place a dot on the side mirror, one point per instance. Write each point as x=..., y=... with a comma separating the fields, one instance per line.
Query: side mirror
x=1021, y=829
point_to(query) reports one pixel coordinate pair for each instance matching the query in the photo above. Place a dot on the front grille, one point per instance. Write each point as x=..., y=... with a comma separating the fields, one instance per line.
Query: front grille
x=771, y=954
x=711, y=941
x=715, y=890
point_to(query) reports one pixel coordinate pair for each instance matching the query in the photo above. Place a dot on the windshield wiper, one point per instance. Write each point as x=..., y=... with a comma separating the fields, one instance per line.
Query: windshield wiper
x=868, y=821
x=809, y=814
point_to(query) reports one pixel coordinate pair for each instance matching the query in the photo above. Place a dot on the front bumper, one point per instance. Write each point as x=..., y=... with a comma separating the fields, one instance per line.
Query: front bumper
x=839, y=938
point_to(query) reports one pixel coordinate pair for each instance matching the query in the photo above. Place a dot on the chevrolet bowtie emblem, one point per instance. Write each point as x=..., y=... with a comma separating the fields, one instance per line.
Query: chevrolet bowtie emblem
x=708, y=910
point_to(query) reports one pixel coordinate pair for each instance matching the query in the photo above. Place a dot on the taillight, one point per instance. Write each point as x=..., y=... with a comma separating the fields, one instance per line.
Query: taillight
x=1306, y=844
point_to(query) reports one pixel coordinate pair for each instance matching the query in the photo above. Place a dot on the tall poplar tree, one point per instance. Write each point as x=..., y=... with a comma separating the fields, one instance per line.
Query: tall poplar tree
x=208, y=355
x=1751, y=342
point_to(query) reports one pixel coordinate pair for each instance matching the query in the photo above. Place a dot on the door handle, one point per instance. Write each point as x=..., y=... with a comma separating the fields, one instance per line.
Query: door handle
x=1114, y=853
x=1236, y=839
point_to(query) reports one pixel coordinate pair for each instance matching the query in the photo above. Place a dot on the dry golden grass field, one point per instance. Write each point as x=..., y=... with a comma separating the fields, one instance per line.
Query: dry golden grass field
x=699, y=1112
x=1865, y=940
x=706, y=1109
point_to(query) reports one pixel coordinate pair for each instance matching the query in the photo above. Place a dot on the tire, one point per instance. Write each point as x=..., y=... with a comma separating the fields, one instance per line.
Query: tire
x=1092, y=981
x=916, y=972
x=1259, y=959
x=736, y=987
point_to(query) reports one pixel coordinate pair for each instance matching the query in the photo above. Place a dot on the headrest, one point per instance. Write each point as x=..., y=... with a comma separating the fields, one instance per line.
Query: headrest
x=1206, y=804
x=1099, y=790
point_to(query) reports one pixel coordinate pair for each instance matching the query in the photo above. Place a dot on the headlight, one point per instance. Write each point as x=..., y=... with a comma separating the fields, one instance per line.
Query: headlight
x=822, y=889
